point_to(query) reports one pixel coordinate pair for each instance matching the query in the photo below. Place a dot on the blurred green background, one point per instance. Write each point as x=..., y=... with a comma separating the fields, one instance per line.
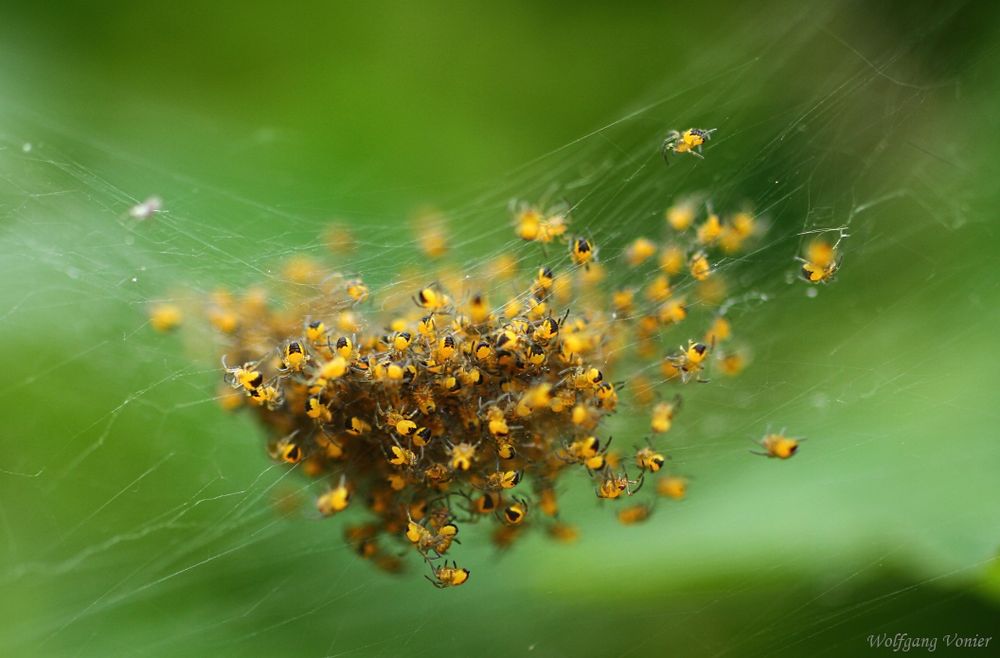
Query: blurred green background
x=138, y=519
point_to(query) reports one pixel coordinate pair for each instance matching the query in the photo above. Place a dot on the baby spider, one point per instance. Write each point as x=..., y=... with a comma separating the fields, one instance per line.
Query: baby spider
x=648, y=459
x=431, y=298
x=502, y=480
x=514, y=513
x=461, y=456
x=663, y=415
x=430, y=540
x=335, y=500
x=699, y=266
x=316, y=332
x=587, y=451
x=286, y=449
x=246, y=376
x=165, y=317
x=673, y=487
x=445, y=576
x=582, y=252
x=821, y=259
x=612, y=486
x=293, y=357
x=400, y=456
x=485, y=504
x=356, y=290
x=402, y=424
x=778, y=446
x=315, y=409
x=690, y=361
x=265, y=396
x=689, y=141
x=821, y=263
x=634, y=514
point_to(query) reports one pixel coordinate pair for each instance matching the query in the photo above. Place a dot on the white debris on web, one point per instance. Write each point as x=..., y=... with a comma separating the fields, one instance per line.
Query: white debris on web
x=146, y=209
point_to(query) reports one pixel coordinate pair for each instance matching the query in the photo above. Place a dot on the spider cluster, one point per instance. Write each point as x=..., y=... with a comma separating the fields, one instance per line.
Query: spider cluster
x=444, y=407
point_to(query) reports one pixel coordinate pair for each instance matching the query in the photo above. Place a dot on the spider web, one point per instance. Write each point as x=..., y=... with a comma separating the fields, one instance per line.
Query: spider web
x=138, y=518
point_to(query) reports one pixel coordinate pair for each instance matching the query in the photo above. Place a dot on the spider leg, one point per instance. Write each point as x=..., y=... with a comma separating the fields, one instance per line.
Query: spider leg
x=665, y=150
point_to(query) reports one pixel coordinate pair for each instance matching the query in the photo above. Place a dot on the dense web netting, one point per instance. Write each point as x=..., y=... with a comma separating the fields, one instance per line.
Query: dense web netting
x=162, y=506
